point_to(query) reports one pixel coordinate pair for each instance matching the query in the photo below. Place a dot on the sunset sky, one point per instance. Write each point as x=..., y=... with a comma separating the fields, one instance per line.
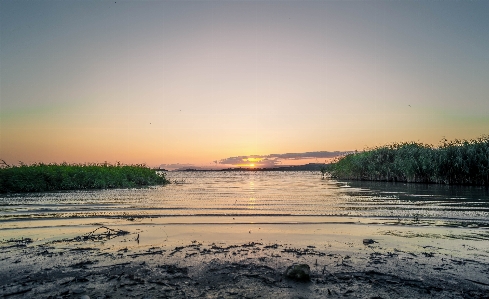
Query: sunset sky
x=211, y=83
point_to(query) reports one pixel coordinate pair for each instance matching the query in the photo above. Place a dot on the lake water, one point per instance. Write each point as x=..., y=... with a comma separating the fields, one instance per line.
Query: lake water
x=419, y=232
x=260, y=197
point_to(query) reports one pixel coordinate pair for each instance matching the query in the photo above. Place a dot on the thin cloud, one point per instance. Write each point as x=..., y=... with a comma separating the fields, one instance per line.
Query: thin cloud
x=309, y=155
x=260, y=161
x=242, y=159
x=278, y=159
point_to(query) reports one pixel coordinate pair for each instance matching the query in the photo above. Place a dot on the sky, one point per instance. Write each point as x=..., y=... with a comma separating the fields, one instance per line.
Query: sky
x=226, y=83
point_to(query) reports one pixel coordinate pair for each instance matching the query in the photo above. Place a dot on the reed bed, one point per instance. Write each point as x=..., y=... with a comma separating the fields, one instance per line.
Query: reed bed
x=39, y=177
x=463, y=162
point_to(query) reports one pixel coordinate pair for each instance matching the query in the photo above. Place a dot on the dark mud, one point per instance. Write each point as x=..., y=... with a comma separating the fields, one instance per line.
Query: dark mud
x=250, y=270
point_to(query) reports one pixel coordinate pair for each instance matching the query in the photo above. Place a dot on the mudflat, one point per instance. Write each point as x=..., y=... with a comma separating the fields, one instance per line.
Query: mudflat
x=164, y=260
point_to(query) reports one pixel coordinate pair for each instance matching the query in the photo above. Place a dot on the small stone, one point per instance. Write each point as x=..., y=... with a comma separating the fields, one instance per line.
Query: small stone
x=368, y=241
x=84, y=297
x=299, y=272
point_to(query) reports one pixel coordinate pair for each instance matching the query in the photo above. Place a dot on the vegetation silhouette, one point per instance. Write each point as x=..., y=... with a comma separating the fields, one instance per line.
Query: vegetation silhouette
x=464, y=162
x=39, y=177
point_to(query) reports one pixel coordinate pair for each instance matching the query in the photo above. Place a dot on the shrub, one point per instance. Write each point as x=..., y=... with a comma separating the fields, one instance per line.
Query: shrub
x=452, y=162
x=50, y=177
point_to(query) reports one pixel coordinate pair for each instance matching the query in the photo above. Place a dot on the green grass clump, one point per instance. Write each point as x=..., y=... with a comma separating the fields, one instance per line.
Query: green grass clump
x=452, y=162
x=51, y=177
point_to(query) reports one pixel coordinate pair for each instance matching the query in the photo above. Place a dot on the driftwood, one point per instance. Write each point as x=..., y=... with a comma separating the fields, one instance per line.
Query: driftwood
x=108, y=234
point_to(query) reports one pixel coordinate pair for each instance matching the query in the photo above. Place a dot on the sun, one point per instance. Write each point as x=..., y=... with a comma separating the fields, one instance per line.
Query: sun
x=252, y=165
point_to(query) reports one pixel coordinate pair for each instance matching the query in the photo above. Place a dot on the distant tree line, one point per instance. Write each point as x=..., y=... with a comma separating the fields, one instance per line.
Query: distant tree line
x=452, y=162
x=52, y=177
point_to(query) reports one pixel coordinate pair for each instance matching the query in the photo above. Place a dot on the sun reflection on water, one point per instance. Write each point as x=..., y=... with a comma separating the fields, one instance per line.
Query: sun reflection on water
x=251, y=203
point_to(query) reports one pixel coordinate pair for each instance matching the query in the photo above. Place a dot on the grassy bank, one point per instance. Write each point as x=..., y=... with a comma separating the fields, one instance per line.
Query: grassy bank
x=51, y=177
x=452, y=162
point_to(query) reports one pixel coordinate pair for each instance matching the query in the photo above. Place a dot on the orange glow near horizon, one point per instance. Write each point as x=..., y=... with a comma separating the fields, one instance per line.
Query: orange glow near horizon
x=244, y=165
x=252, y=159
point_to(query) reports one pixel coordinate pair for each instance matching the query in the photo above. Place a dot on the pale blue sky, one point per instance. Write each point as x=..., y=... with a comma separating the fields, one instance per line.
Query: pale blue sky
x=198, y=81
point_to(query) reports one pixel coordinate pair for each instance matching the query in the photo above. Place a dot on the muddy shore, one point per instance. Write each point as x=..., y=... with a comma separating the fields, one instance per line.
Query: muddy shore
x=87, y=267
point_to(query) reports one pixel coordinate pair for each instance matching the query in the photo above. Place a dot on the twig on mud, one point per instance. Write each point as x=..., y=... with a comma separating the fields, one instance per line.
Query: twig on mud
x=478, y=282
x=109, y=234
x=373, y=249
x=147, y=253
x=177, y=249
x=19, y=292
x=330, y=273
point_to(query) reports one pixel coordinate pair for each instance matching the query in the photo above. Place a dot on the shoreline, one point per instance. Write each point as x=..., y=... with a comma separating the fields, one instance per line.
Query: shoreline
x=244, y=261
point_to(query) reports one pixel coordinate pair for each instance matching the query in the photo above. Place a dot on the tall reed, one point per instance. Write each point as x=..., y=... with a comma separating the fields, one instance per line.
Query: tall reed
x=50, y=177
x=452, y=162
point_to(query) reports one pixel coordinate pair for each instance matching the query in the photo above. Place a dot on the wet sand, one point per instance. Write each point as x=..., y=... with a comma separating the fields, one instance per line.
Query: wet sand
x=238, y=258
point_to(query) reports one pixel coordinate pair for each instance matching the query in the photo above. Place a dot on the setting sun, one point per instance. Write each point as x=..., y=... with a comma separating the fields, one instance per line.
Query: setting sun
x=252, y=165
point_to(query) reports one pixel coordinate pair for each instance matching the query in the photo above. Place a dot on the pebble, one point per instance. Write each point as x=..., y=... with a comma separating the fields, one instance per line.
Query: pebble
x=84, y=297
x=298, y=272
x=368, y=241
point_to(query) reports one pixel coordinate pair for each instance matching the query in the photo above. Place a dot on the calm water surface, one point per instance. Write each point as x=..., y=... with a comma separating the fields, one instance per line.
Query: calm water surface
x=273, y=196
